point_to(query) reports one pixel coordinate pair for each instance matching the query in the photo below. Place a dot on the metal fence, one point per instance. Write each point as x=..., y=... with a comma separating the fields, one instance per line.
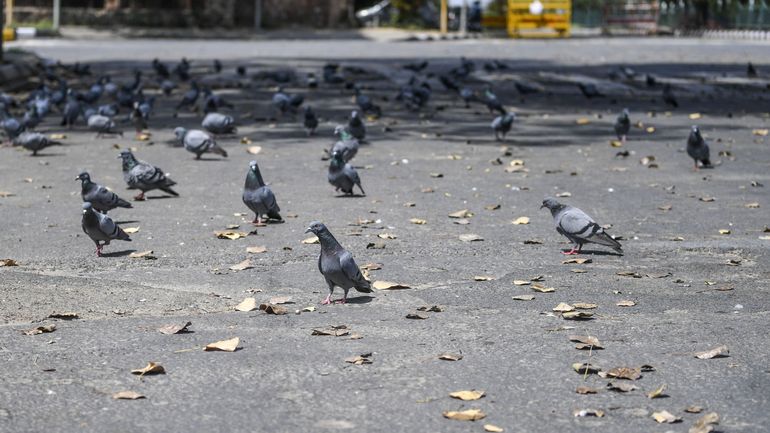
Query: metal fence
x=740, y=17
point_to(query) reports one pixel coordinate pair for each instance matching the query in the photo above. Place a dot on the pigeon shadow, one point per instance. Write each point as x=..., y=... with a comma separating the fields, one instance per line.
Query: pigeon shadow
x=349, y=196
x=118, y=253
x=365, y=299
x=159, y=197
x=600, y=253
x=127, y=222
x=210, y=159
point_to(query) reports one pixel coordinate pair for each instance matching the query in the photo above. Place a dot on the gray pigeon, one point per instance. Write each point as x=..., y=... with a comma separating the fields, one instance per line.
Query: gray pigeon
x=668, y=96
x=102, y=199
x=502, y=125
x=311, y=121
x=356, y=126
x=342, y=175
x=347, y=145
x=258, y=196
x=34, y=141
x=590, y=90
x=198, y=142
x=143, y=176
x=622, y=125
x=337, y=265
x=218, y=123
x=578, y=227
x=698, y=149
x=100, y=228
x=102, y=125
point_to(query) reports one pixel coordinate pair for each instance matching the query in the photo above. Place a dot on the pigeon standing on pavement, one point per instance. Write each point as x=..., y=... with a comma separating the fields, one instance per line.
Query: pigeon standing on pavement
x=590, y=90
x=493, y=104
x=218, y=123
x=34, y=141
x=356, y=126
x=622, y=125
x=751, y=71
x=100, y=228
x=668, y=96
x=189, y=97
x=143, y=176
x=347, y=145
x=337, y=266
x=102, y=125
x=342, y=175
x=502, y=125
x=578, y=227
x=259, y=197
x=311, y=121
x=102, y=199
x=698, y=149
x=198, y=142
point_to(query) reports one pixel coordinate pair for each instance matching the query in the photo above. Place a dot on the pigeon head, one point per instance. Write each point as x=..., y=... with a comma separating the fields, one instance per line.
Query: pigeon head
x=339, y=129
x=354, y=114
x=84, y=176
x=337, y=158
x=87, y=207
x=316, y=228
x=179, y=132
x=695, y=130
x=551, y=204
x=625, y=112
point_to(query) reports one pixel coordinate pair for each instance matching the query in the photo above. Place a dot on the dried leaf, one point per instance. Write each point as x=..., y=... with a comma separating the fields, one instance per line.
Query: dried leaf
x=223, y=346
x=227, y=234
x=464, y=213
x=242, y=266
x=516, y=162
x=492, y=207
x=174, y=328
x=717, y=352
x=576, y=260
x=705, y=424
x=657, y=393
x=533, y=242
x=523, y=297
x=665, y=417
x=470, y=237
x=418, y=221
x=629, y=274
x=311, y=240
x=273, y=309
x=8, y=262
x=724, y=232
x=483, y=278
x=650, y=129
x=4, y=194
x=386, y=236
x=248, y=304
x=147, y=255
x=694, y=116
x=417, y=316
x=693, y=409
x=586, y=390
x=564, y=194
x=753, y=205
x=131, y=230
x=585, y=368
x=362, y=359
x=256, y=249
x=467, y=395
x=379, y=245
x=583, y=121
x=521, y=282
x=665, y=207
x=436, y=175
x=760, y=132
x=707, y=199
x=465, y=415
x=584, y=305
x=127, y=395
x=387, y=285
x=39, y=330
x=577, y=315
x=335, y=331
x=462, y=221
x=492, y=428
x=542, y=289
x=586, y=342
x=626, y=303
x=588, y=412
x=58, y=136
x=450, y=357
x=616, y=143
x=563, y=307
x=623, y=373
x=277, y=300
x=520, y=221
x=433, y=309
x=64, y=316
x=372, y=266
x=254, y=149
x=621, y=386
x=151, y=368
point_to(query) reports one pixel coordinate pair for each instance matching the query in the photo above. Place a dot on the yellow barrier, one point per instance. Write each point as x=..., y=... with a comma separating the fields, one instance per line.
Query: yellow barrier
x=9, y=34
x=553, y=22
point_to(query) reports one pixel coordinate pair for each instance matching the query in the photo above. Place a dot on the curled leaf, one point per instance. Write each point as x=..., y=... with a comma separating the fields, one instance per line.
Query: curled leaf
x=39, y=330
x=273, y=309
x=717, y=352
x=127, y=395
x=520, y=221
x=242, y=266
x=588, y=412
x=223, y=346
x=311, y=240
x=450, y=357
x=174, y=328
x=248, y=304
x=465, y=415
x=226, y=234
x=665, y=417
x=658, y=392
x=464, y=213
x=150, y=368
x=467, y=395
x=586, y=390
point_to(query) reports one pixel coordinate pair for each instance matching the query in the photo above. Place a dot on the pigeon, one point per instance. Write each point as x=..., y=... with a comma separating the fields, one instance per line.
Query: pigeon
x=31, y=118
x=286, y=103
x=650, y=80
x=102, y=199
x=698, y=149
x=241, y=70
x=100, y=228
x=493, y=104
x=217, y=123
x=502, y=125
x=449, y=83
x=590, y=90
x=198, y=142
x=347, y=145
x=337, y=265
x=526, y=88
x=751, y=71
x=217, y=66
x=109, y=110
x=622, y=125
x=311, y=121
x=167, y=86
x=138, y=118
x=102, y=125
x=71, y=112
x=578, y=227
x=12, y=127
x=144, y=176
x=365, y=103
x=356, y=126
x=668, y=96
x=468, y=96
x=160, y=69
x=190, y=96
x=34, y=141
x=259, y=197
x=214, y=102
x=182, y=69
x=312, y=81
x=416, y=67
x=342, y=175
x=331, y=74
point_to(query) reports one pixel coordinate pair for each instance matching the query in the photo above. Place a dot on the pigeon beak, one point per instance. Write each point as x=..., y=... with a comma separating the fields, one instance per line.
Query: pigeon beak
x=77, y=179
x=308, y=230
x=542, y=206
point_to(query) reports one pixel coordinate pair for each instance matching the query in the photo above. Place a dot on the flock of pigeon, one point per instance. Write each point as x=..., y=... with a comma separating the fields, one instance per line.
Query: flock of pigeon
x=99, y=106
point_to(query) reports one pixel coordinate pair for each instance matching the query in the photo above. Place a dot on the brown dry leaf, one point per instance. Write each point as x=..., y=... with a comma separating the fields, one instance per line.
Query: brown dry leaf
x=372, y=266
x=256, y=250
x=694, y=116
x=147, y=255
x=223, y=346
x=450, y=357
x=694, y=409
x=626, y=303
x=248, y=304
x=621, y=386
x=623, y=373
x=616, y=143
x=8, y=262
x=365, y=358
x=665, y=207
x=707, y=199
x=311, y=240
x=585, y=368
x=471, y=237
x=127, y=395
x=174, y=328
x=335, y=331
x=273, y=309
x=586, y=390
x=717, y=352
x=584, y=305
x=465, y=415
x=4, y=194
x=705, y=424
x=492, y=428
x=242, y=266
x=277, y=300
x=658, y=393
x=254, y=149
x=583, y=121
x=629, y=274
x=64, y=316
x=724, y=232
x=492, y=207
x=58, y=136
x=760, y=132
x=436, y=175
x=577, y=315
x=564, y=194
x=588, y=412
x=464, y=213
x=576, y=260
x=753, y=205
x=39, y=330
x=523, y=297
x=542, y=289
x=417, y=316
x=418, y=221
x=520, y=221
x=586, y=342
x=521, y=282
x=151, y=368
x=131, y=230
x=388, y=285
x=467, y=395
x=665, y=417
x=563, y=307
x=227, y=234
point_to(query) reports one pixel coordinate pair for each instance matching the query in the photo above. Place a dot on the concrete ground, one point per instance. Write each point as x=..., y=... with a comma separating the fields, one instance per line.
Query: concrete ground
x=692, y=288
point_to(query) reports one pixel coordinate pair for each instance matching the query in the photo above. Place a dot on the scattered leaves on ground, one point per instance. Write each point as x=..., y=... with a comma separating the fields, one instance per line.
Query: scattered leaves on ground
x=228, y=234
x=335, y=331
x=585, y=368
x=253, y=149
x=584, y=305
x=417, y=316
x=563, y=307
x=622, y=373
x=577, y=315
x=223, y=346
x=150, y=368
x=586, y=342
x=174, y=328
x=542, y=289
x=365, y=358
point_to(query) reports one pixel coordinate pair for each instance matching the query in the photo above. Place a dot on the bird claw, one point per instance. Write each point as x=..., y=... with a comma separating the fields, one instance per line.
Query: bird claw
x=571, y=252
x=341, y=301
x=327, y=301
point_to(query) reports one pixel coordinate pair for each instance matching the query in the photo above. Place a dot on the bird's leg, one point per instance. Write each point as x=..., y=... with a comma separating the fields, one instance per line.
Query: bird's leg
x=623, y=138
x=98, y=250
x=571, y=252
x=344, y=299
x=139, y=197
x=328, y=300
x=695, y=167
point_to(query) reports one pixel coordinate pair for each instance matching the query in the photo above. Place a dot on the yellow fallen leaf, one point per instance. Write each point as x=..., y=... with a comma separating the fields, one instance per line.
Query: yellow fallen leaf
x=616, y=143
x=716, y=352
x=465, y=415
x=483, y=278
x=311, y=240
x=223, y=346
x=58, y=136
x=521, y=282
x=226, y=234
x=694, y=116
x=151, y=368
x=582, y=121
x=246, y=140
x=143, y=137
x=657, y=393
x=516, y=162
x=464, y=213
x=248, y=304
x=724, y=231
x=418, y=221
x=520, y=220
x=127, y=395
x=665, y=417
x=131, y=230
x=492, y=428
x=467, y=395
x=650, y=129
x=626, y=303
x=563, y=307
x=760, y=132
x=387, y=285
x=242, y=266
